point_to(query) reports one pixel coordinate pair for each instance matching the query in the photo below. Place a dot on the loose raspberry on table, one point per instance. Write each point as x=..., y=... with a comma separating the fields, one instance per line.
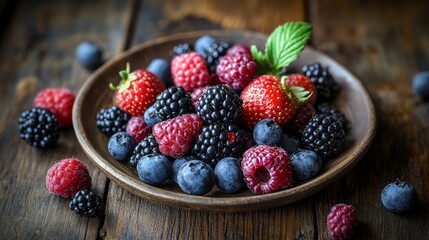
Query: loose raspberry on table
x=189, y=70
x=341, y=221
x=67, y=177
x=57, y=100
x=266, y=169
x=236, y=70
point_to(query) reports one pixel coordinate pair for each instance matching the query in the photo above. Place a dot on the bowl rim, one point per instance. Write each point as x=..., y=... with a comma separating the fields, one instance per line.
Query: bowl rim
x=227, y=203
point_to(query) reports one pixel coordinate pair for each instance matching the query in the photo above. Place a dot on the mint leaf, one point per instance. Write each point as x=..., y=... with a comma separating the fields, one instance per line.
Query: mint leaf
x=285, y=44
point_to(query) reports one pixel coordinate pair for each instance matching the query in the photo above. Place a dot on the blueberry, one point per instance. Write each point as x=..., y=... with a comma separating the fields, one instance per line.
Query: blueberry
x=154, y=169
x=196, y=177
x=267, y=132
x=202, y=43
x=421, y=85
x=150, y=116
x=161, y=68
x=121, y=146
x=305, y=164
x=398, y=197
x=178, y=162
x=289, y=143
x=89, y=55
x=228, y=175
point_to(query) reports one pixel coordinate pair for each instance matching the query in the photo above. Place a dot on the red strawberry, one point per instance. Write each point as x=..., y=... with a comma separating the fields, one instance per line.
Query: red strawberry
x=300, y=80
x=137, y=91
x=268, y=97
x=189, y=70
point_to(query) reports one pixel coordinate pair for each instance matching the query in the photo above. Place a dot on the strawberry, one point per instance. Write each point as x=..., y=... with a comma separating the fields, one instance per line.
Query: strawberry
x=137, y=91
x=268, y=97
x=301, y=80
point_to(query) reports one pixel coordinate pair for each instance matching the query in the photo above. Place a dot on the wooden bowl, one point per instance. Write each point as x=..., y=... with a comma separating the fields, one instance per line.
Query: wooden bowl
x=353, y=100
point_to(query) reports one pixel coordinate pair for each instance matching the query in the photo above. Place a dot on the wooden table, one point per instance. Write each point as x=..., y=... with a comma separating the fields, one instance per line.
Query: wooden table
x=383, y=43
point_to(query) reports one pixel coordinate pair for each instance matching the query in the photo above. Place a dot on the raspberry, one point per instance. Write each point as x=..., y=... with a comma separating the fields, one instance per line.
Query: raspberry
x=138, y=128
x=85, y=202
x=300, y=80
x=239, y=48
x=67, y=177
x=197, y=94
x=57, y=100
x=341, y=221
x=236, y=69
x=38, y=127
x=176, y=136
x=189, y=70
x=266, y=169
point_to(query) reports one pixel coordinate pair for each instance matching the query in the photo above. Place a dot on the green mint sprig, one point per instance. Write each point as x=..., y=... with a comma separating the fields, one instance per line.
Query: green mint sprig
x=282, y=47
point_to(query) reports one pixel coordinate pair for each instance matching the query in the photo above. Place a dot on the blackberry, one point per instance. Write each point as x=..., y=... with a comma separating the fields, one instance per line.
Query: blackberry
x=329, y=109
x=327, y=88
x=112, y=120
x=324, y=134
x=217, y=141
x=220, y=104
x=181, y=49
x=38, y=127
x=87, y=203
x=214, y=53
x=147, y=146
x=172, y=102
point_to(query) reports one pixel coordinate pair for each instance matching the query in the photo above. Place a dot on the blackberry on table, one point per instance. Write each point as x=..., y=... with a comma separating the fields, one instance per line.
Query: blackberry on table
x=324, y=134
x=38, y=127
x=112, y=120
x=213, y=54
x=181, y=49
x=220, y=104
x=327, y=88
x=217, y=141
x=85, y=202
x=147, y=146
x=329, y=109
x=172, y=102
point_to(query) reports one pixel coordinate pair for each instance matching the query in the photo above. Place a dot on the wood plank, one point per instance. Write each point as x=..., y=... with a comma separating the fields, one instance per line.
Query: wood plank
x=37, y=54
x=384, y=44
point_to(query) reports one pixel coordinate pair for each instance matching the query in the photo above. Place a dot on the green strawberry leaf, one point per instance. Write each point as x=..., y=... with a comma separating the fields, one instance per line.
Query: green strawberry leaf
x=260, y=59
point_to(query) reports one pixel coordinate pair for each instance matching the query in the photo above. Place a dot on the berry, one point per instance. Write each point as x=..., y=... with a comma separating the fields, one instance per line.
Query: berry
x=38, y=127
x=89, y=55
x=154, y=169
x=214, y=53
x=150, y=116
x=189, y=70
x=305, y=164
x=266, y=169
x=302, y=116
x=85, y=202
x=325, y=135
x=195, y=177
x=161, y=69
x=327, y=88
x=236, y=70
x=219, y=104
x=289, y=143
x=267, y=132
x=176, y=136
x=181, y=49
x=112, y=120
x=121, y=146
x=196, y=94
x=137, y=128
x=67, y=177
x=300, y=80
x=137, y=91
x=228, y=175
x=147, y=146
x=329, y=109
x=57, y=100
x=399, y=197
x=239, y=48
x=203, y=43
x=341, y=221
x=178, y=162
x=217, y=141
x=173, y=102
x=420, y=85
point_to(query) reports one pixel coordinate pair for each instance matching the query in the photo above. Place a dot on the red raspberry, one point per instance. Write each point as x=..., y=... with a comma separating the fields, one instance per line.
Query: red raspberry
x=59, y=101
x=197, y=93
x=176, y=136
x=266, y=169
x=190, y=71
x=341, y=221
x=67, y=177
x=236, y=70
x=138, y=128
x=301, y=118
x=301, y=80
x=239, y=48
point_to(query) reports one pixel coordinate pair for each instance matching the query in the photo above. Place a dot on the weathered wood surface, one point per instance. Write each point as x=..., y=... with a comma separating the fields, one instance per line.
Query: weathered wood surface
x=384, y=44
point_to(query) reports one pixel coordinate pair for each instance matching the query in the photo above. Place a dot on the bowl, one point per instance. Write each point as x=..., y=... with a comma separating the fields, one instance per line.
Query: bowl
x=95, y=94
